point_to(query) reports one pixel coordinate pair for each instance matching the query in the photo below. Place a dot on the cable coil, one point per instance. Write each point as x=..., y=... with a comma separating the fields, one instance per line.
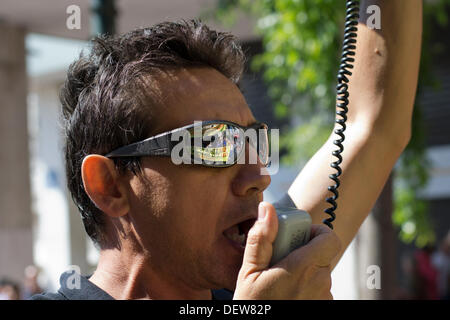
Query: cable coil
x=349, y=45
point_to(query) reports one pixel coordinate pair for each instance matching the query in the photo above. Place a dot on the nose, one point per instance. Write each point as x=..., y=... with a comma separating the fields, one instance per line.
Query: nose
x=250, y=179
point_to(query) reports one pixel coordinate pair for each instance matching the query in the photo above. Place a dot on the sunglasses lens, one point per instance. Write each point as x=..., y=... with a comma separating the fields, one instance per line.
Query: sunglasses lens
x=216, y=144
x=263, y=145
x=222, y=144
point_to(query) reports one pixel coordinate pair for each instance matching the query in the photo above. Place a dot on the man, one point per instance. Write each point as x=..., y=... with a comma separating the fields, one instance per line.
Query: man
x=9, y=289
x=168, y=231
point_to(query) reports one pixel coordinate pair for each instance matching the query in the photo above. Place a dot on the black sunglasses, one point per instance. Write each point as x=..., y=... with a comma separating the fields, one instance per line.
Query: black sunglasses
x=215, y=143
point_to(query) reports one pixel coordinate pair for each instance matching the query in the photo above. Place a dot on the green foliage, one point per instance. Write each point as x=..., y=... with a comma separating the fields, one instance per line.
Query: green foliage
x=302, y=44
x=411, y=175
x=410, y=211
x=301, y=41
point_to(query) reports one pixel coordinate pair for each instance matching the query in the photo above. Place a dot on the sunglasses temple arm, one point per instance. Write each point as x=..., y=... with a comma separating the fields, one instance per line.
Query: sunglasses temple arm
x=158, y=146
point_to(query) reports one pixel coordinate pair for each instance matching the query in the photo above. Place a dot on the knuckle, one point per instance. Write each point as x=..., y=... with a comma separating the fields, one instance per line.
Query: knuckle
x=254, y=237
x=334, y=245
x=323, y=276
x=305, y=274
x=324, y=229
x=337, y=242
x=327, y=283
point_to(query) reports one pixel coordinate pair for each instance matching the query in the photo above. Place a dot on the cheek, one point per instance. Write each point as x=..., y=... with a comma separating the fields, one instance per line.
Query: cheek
x=197, y=200
x=186, y=201
x=148, y=194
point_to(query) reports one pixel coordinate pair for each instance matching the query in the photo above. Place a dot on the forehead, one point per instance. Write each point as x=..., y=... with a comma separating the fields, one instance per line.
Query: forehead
x=199, y=93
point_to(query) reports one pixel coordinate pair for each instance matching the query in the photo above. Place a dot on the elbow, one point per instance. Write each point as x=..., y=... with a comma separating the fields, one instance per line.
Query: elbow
x=397, y=134
x=399, y=140
x=396, y=138
x=405, y=138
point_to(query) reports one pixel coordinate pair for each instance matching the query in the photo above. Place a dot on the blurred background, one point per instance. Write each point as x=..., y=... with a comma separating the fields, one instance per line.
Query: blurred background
x=293, y=49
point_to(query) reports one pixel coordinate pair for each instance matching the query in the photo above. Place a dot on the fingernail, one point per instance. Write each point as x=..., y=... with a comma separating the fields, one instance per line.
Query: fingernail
x=262, y=211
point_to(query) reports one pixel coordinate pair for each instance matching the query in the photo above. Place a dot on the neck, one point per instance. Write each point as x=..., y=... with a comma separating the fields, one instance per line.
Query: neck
x=128, y=275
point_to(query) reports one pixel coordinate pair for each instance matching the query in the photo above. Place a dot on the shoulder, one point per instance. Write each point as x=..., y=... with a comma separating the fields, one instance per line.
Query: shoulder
x=48, y=296
x=222, y=294
x=74, y=287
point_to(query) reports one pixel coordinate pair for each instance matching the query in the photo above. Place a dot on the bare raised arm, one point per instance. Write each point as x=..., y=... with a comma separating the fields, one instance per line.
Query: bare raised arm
x=382, y=92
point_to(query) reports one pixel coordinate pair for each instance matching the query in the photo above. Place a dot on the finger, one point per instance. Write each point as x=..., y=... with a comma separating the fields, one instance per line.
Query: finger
x=328, y=296
x=323, y=282
x=258, y=250
x=324, y=245
x=318, y=229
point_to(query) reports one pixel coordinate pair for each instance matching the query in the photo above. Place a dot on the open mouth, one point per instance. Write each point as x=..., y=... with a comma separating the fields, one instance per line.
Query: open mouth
x=238, y=232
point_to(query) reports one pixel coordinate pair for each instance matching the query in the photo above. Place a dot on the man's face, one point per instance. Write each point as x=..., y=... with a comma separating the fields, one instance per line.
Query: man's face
x=184, y=215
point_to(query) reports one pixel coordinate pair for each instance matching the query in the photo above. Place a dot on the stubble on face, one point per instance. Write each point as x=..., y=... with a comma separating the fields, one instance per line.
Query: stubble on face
x=180, y=211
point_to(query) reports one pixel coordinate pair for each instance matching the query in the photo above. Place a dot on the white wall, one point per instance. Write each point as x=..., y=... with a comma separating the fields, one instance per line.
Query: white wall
x=51, y=244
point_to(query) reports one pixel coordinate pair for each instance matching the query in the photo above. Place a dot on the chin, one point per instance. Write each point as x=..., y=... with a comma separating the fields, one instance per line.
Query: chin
x=227, y=281
x=227, y=273
x=225, y=261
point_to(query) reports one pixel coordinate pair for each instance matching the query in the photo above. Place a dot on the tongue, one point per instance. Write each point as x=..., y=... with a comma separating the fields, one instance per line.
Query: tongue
x=233, y=230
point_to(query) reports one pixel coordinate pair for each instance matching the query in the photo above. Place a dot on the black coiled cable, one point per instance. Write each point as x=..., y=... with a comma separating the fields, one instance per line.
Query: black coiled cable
x=349, y=45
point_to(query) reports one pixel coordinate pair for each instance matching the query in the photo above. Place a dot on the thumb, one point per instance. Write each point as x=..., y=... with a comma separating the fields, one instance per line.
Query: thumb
x=258, y=250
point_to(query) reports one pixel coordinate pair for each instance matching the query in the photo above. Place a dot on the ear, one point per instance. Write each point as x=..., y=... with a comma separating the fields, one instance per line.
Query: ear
x=103, y=185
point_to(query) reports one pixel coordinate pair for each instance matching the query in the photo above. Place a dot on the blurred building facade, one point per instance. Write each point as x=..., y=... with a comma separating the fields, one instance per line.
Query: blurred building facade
x=15, y=197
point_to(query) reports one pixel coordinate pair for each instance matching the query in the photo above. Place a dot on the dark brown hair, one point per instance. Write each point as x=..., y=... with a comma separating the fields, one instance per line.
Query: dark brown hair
x=104, y=101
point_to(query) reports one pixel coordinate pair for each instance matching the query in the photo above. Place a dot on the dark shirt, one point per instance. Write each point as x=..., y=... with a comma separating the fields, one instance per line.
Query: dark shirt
x=70, y=290
x=77, y=287
x=86, y=290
